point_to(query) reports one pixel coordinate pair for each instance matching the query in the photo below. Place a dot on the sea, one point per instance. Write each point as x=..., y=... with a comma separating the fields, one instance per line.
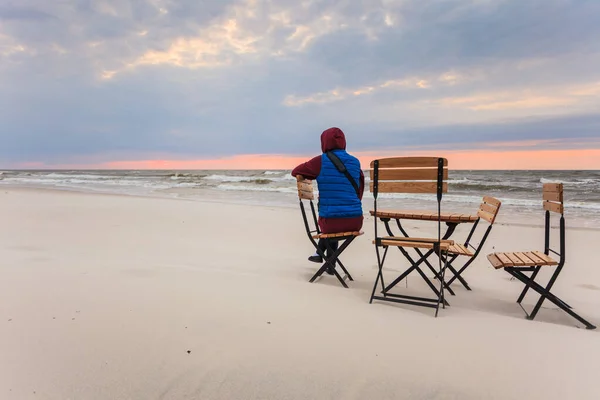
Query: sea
x=519, y=191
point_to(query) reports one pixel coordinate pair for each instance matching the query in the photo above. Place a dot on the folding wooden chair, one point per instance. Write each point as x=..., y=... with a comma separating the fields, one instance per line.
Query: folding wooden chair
x=519, y=263
x=330, y=256
x=410, y=175
x=488, y=211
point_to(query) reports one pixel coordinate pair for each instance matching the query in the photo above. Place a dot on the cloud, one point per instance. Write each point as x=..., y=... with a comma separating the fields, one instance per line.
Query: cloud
x=591, y=89
x=506, y=101
x=110, y=80
x=22, y=13
x=339, y=94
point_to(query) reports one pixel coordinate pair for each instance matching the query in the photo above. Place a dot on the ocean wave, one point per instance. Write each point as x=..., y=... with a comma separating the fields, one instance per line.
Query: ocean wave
x=582, y=205
x=244, y=188
x=186, y=175
x=273, y=172
x=460, y=181
x=248, y=179
x=56, y=175
x=587, y=181
x=489, y=187
x=259, y=181
x=188, y=184
x=226, y=178
x=78, y=182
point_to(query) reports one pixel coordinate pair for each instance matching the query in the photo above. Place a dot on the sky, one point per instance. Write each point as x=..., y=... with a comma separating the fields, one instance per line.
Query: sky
x=489, y=84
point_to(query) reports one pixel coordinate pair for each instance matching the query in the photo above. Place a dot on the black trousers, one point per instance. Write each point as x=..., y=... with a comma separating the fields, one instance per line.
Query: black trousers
x=332, y=243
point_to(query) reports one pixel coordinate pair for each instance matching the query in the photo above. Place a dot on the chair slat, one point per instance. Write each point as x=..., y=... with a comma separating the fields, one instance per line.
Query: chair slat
x=408, y=174
x=553, y=187
x=417, y=239
x=495, y=261
x=487, y=216
x=504, y=259
x=460, y=249
x=488, y=208
x=337, y=235
x=547, y=259
x=553, y=207
x=554, y=196
x=526, y=261
x=408, y=162
x=514, y=259
x=534, y=258
x=417, y=245
x=409, y=187
x=493, y=201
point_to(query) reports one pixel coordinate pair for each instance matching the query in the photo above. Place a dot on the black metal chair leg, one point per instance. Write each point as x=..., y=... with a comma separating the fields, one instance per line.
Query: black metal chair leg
x=457, y=274
x=331, y=261
x=318, y=273
x=526, y=288
x=380, y=261
x=547, y=289
x=546, y=294
x=431, y=285
x=414, y=266
x=442, y=284
x=345, y=270
x=409, y=270
x=449, y=263
x=436, y=276
x=458, y=277
x=337, y=275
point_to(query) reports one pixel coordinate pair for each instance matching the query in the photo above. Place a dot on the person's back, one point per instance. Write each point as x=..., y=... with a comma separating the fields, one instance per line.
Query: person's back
x=337, y=196
x=340, y=206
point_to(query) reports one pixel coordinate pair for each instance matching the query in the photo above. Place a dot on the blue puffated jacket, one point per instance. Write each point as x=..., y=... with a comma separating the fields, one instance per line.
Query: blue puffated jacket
x=337, y=197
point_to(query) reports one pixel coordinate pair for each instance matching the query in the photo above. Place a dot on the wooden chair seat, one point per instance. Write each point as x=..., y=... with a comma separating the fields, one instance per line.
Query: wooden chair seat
x=336, y=235
x=520, y=259
x=416, y=243
x=417, y=239
x=460, y=249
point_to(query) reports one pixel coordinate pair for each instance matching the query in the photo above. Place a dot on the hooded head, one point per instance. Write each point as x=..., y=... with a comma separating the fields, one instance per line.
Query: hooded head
x=333, y=139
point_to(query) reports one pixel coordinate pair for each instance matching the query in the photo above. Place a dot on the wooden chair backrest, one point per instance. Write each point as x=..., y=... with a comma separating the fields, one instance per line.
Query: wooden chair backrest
x=409, y=175
x=553, y=197
x=489, y=208
x=305, y=188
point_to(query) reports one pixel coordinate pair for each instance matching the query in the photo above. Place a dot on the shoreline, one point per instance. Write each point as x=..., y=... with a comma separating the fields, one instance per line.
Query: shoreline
x=231, y=200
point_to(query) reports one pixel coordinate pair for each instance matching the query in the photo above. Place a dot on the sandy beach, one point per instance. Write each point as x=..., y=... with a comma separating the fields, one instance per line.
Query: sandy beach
x=122, y=297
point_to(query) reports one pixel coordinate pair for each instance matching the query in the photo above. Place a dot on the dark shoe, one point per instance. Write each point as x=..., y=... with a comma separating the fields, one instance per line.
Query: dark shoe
x=316, y=259
x=329, y=271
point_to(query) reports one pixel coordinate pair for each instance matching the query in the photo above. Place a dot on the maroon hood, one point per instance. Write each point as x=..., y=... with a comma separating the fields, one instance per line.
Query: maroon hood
x=333, y=139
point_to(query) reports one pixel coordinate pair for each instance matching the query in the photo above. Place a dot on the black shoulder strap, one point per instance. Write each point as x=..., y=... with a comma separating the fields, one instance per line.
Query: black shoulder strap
x=342, y=168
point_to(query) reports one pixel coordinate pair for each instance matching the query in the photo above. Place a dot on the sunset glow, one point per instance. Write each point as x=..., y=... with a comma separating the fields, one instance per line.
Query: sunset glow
x=586, y=159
